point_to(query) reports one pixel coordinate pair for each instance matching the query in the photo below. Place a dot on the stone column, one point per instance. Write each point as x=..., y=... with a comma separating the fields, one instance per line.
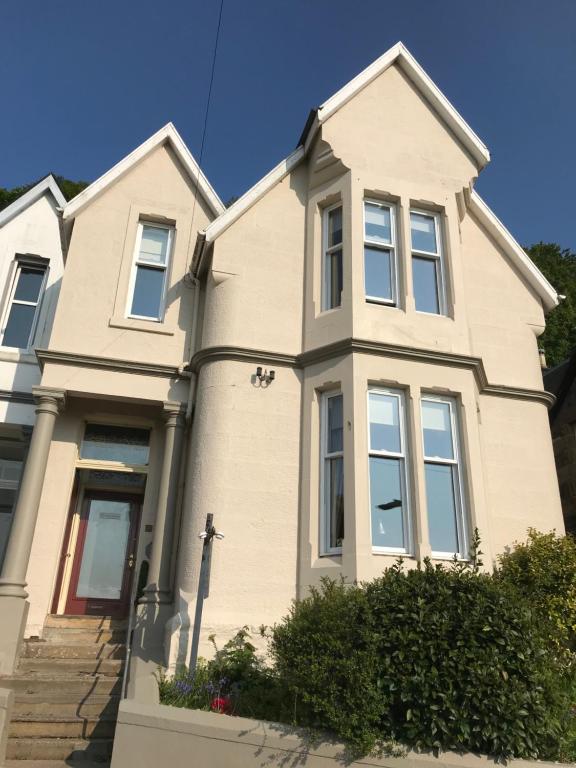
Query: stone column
x=13, y=605
x=159, y=589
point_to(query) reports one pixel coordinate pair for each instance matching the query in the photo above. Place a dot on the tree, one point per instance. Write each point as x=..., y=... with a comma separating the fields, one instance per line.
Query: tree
x=559, y=267
x=69, y=189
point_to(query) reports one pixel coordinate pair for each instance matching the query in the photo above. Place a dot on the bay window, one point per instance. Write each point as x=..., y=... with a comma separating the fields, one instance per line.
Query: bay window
x=380, y=269
x=442, y=469
x=427, y=263
x=389, y=511
x=332, y=279
x=332, y=469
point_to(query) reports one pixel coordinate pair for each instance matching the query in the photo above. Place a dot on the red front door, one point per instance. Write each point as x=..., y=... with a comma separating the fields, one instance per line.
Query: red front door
x=105, y=554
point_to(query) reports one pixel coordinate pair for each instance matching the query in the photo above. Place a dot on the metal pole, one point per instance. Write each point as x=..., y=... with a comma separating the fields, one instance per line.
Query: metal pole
x=203, y=582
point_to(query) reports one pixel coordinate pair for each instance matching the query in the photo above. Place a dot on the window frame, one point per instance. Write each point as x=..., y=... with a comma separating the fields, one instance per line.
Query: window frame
x=19, y=264
x=137, y=262
x=437, y=258
x=325, y=518
x=462, y=526
x=392, y=248
x=404, y=459
x=328, y=250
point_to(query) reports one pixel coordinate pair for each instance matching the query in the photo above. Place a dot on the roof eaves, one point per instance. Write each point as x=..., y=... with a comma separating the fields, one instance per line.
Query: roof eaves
x=513, y=249
x=47, y=184
x=166, y=133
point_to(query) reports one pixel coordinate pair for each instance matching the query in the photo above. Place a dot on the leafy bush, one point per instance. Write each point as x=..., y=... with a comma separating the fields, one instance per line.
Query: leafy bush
x=544, y=571
x=236, y=681
x=434, y=658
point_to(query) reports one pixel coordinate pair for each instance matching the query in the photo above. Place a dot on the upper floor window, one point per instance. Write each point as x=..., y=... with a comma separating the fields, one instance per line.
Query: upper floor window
x=332, y=257
x=23, y=307
x=332, y=469
x=427, y=266
x=446, y=520
x=380, y=252
x=387, y=458
x=150, y=270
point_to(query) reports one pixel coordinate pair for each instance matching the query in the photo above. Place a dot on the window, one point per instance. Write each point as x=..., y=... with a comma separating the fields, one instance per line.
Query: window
x=380, y=252
x=148, y=286
x=446, y=524
x=427, y=268
x=333, y=473
x=332, y=257
x=387, y=457
x=128, y=445
x=24, y=302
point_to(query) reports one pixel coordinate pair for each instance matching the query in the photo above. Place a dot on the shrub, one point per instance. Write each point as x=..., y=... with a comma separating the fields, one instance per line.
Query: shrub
x=434, y=658
x=543, y=570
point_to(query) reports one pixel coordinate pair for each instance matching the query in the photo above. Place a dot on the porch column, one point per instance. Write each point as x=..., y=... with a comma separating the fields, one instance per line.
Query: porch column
x=159, y=589
x=13, y=605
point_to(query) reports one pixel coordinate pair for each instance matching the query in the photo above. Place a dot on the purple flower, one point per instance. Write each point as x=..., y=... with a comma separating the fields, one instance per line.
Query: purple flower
x=183, y=688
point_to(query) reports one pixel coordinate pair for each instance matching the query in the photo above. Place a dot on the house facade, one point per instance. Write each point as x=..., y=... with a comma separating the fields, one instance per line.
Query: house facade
x=341, y=368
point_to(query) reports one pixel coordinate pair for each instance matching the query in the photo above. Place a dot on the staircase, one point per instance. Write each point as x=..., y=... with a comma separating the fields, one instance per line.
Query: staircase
x=67, y=690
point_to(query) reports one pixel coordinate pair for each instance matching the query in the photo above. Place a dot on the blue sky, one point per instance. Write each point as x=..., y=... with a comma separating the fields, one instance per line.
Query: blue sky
x=83, y=83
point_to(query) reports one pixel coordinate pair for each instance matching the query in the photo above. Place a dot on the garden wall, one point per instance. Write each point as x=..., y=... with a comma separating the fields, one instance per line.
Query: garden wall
x=148, y=736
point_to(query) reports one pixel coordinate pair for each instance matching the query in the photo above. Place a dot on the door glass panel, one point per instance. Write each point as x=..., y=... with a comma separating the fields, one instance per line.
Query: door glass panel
x=104, y=553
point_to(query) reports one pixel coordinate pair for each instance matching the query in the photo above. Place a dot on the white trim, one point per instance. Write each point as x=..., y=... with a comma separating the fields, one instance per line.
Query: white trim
x=325, y=548
x=47, y=184
x=392, y=249
x=512, y=249
x=401, y=56
x=254, y=194
x=136, y=262
x=403, y=460
x=167, y=134
x=328, y=250
x=456, y=464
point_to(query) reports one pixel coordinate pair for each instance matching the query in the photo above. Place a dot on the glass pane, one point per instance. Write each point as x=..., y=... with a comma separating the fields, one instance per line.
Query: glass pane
x=377, y=223
x=425, y=285
x=7, y=501
x=384, y=422
x=29, y=284
x=437, y=428
x=104, y=553
x=441, y=508
x=333, y=278
x=423, y=233
x=154, y=244
x=334, y=227
x=335, y=501
x=387, y=502
x=378, y=273
x=106, y=479
x=148, y=289
x=19, y=326
x=107, y=443
x=335, y=431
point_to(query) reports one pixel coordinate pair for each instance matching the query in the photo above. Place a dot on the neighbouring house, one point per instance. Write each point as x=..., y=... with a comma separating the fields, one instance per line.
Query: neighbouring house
x=342, y=368
x=560, y=380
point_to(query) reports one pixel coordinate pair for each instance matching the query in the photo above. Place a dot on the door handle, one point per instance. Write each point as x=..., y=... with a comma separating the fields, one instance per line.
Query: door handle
x=131, y=559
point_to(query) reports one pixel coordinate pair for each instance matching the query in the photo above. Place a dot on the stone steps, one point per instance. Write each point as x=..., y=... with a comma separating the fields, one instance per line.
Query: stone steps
x=81, y=635
x=61, y=706
x=97, y=750
x=53, y=727
x=40, y=649
x=86, y=622
x=63, y=688
x=68, y=668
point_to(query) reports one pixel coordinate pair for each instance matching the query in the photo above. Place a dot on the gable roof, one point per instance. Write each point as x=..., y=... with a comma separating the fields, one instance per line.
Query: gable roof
x=47, y=184
x=398, y=55
x=512, y=249
x=166, y=135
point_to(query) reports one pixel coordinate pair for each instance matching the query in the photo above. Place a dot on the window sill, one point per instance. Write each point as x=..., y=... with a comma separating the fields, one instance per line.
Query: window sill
x=148, y=326
x=14, y=355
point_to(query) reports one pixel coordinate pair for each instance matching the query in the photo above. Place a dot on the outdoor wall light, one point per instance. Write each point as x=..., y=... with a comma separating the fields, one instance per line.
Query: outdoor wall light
x=264, y=376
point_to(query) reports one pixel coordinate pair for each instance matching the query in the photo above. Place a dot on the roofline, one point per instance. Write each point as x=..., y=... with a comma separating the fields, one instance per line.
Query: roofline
x=167, y=133
x=397, y=54
x=513, y=250
x=47, y=184
x=400, y=55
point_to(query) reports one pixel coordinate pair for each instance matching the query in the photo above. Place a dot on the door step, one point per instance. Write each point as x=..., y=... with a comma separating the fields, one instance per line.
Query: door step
x=41, y=649
x=86, y=622
x=53, y=727
x=67, y=667
x=98, y=750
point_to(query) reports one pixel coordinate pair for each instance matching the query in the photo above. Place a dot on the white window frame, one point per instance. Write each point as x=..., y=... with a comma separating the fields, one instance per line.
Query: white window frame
x=19, y=265
x=457, y=484
x=403, y=459
x=377, y=245
x=325, y=548
x=437, y=257
x=137, y=262
x=326, y=251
